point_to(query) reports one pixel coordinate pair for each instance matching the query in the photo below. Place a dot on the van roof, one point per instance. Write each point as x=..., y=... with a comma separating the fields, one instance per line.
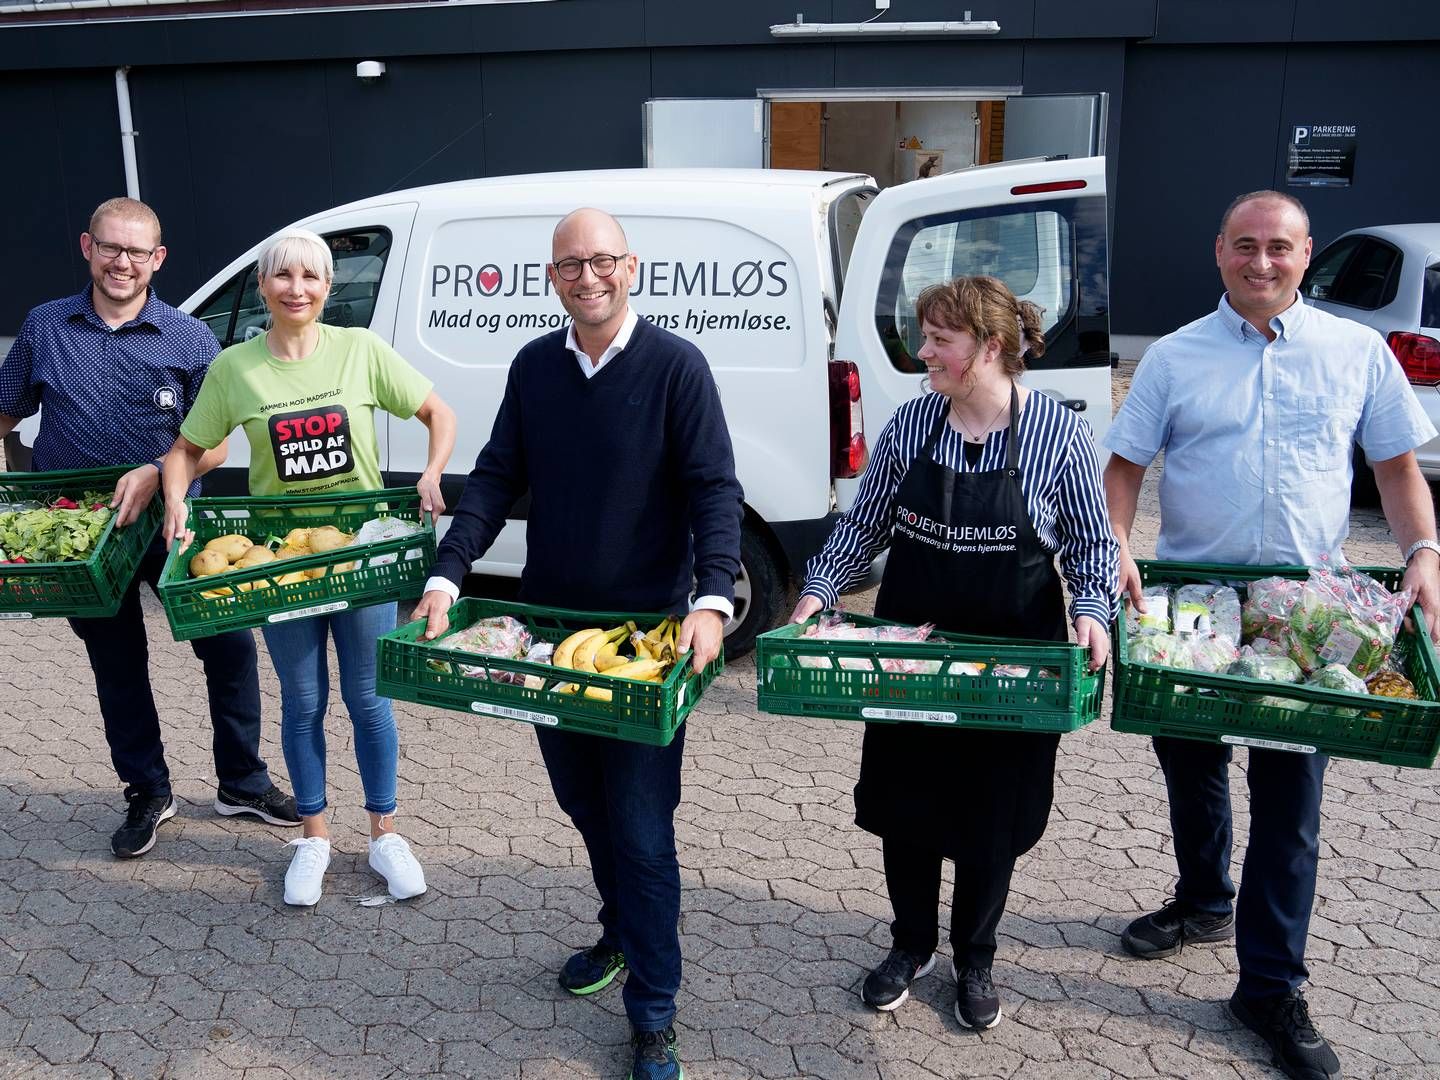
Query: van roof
x=787, y=181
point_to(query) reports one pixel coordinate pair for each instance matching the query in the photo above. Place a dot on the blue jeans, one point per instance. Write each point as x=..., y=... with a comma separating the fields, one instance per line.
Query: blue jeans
x=1277, y=891
x=622, y=798
x=120, y=658
x=298, y=651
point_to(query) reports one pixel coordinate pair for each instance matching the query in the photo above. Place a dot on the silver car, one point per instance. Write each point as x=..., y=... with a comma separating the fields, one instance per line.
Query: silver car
x=1388, y=277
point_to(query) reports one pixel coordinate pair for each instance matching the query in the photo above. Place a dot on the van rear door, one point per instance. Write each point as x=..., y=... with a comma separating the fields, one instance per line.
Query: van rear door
x=1039, y=226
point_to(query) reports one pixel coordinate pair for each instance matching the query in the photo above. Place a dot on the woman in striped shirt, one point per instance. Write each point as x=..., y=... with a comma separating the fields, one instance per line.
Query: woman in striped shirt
x=976, y=488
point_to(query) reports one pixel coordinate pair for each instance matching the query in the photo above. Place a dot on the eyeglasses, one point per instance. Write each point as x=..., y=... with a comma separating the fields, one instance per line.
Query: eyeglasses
x=602, y=265
x=138, y=256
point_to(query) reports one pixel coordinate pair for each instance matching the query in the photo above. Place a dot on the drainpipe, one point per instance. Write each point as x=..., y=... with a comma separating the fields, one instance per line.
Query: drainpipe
x=127, y=132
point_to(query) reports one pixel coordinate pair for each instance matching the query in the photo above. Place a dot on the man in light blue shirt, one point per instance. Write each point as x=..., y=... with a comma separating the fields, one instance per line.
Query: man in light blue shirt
x=1256, y=407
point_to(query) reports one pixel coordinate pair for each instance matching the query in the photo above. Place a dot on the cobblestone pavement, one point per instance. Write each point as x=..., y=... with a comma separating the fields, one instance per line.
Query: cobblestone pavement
x=186, y=963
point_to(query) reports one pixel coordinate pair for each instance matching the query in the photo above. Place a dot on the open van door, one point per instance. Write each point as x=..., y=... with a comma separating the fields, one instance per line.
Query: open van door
x=1038, y=226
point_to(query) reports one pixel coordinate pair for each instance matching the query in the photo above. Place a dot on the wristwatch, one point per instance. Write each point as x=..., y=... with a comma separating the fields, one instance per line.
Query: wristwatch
x=1419, y=545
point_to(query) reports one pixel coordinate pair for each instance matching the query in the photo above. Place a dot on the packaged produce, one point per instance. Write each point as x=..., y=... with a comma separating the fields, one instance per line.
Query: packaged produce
x=1254, y=665
x=1268, y=604
x=1337, y=677
x=1345, y=617
x=1390, y=684
x=832, y=626
x=1166, y=650
x=1211, y=652
x=1157, y=611
x=380, y=529
x=1208, y=609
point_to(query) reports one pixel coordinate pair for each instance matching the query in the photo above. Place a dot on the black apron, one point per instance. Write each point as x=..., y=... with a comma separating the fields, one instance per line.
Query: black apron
x=978, y=797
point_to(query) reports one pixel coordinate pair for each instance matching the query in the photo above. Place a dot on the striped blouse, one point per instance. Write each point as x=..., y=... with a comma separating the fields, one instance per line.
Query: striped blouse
x=1059, y=478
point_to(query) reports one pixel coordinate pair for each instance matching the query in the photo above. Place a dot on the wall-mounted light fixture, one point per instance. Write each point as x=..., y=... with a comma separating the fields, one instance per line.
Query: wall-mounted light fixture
x=369, y=71
x=875, y=29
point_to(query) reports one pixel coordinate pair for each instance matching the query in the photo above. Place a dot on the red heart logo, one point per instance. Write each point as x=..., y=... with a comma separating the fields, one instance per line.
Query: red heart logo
x=489, y=280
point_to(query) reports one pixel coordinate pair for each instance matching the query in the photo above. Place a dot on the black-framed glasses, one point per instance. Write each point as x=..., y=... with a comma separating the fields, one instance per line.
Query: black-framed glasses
x=138, y=256
x=602, y=265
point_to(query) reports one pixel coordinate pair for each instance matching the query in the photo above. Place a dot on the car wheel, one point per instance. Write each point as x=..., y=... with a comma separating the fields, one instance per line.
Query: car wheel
x=762, y=594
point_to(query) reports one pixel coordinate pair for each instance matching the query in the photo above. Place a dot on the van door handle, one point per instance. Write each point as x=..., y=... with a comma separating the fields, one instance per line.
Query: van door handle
x=1077, y=403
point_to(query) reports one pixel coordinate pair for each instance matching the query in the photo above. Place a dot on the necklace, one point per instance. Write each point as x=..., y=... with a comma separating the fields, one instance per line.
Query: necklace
x=981, y=432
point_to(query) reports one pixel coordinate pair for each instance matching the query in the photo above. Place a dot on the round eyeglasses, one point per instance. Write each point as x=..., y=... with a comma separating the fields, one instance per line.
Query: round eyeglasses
x=602, y=265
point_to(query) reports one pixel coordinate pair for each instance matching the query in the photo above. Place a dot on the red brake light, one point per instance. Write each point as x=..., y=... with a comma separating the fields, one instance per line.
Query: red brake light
x=1053, y=185
x=847, y=422
x=1418, y=355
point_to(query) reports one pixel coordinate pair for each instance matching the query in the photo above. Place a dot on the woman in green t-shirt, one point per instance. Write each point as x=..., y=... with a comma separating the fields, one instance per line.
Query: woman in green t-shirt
x=299, y=378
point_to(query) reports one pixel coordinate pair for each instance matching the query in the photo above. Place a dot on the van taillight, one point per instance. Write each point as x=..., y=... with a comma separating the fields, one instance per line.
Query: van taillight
x=847, y=423
x=1418, y=355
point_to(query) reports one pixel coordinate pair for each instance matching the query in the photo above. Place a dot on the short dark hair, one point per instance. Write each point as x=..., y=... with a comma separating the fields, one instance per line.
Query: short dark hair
x=1263, y=196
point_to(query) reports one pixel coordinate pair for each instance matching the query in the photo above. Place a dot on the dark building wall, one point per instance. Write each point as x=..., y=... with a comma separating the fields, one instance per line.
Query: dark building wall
x=1205, y=123
x=248, y=123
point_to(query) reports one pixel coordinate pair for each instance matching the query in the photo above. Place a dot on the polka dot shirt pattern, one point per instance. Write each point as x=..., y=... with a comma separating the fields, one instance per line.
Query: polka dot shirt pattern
x=109, y=397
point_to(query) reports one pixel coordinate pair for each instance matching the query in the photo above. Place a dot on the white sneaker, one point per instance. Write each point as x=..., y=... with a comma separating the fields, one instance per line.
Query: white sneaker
x=307, y=869
x=391, y=858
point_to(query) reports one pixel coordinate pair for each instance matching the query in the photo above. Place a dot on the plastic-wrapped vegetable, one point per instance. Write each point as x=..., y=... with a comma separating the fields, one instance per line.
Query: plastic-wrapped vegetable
x=1337, y=677
x=1268, y=604
x=1345, y=617
x=832, y=626
x=1254, y=665
x=1391, y=684
x=1211, y=652
x=504, y=637
x=1157, y=611
x=1213, y=609
x=1265, y=647
x=1167, y=650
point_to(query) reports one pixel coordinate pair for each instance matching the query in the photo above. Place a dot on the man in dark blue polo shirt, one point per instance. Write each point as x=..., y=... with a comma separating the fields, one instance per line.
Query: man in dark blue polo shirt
x=116, y=371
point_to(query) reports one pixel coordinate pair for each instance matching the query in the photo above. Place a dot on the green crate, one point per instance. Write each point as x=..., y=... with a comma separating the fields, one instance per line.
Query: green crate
x=641, y=712
x=996, y=702
x=1155, y=700
x=94, y=588
x=388, y=570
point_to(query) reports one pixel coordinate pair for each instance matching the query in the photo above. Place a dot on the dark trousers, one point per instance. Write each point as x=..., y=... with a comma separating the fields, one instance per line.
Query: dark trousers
x=912, y=874
x=1272, y=916
x=622, y=798
x=120, y=658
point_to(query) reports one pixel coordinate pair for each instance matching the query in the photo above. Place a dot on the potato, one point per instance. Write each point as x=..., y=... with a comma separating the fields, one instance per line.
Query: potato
x=232, y=546
x=255, y=556
x=298, y=538
x=291, y=579
x=208, y=562
x=216, y=594
x=315, y=572
x=289, y=551
x=327, y=538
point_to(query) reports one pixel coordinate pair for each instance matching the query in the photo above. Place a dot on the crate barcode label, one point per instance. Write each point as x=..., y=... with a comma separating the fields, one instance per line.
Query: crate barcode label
x=875, y=712
x=16, y=615
x=485, y=708
x=306, y=612
x=1267, y=744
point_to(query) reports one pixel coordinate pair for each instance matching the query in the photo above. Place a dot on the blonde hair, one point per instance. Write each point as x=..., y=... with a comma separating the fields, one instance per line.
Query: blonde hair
x=292, y=247
x=128, y=210
x=986, y=308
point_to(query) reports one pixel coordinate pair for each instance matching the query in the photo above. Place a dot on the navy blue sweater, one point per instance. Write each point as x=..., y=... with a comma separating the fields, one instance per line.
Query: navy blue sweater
x=624, y=469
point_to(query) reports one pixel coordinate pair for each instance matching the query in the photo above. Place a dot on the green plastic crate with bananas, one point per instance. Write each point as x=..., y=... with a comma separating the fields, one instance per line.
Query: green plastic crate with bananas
x=351, y=576
x=88, y=588
x=1040, y=686
x=1155, y=700
x=430, y=674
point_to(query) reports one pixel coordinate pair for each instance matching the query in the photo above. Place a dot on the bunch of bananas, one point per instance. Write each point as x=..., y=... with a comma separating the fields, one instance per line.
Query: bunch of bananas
x=653, y=654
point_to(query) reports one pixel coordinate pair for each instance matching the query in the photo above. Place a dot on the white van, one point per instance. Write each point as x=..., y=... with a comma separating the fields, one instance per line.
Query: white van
x=798, y=286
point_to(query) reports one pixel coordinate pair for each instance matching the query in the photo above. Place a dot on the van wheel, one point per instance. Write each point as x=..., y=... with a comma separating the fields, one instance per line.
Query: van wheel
x=762, y=594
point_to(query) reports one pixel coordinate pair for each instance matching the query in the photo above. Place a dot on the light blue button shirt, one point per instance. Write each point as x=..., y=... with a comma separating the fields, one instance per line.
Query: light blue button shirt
x=1257, y=434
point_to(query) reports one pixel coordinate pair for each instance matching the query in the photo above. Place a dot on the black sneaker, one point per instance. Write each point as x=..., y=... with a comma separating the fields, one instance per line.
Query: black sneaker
x=655, y=1056
x=274, y=806
x=593, y=969
x=146, y=812
x=887, y=987
x=1300, y=1051
x=976, y=1003
x=1167, y=931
